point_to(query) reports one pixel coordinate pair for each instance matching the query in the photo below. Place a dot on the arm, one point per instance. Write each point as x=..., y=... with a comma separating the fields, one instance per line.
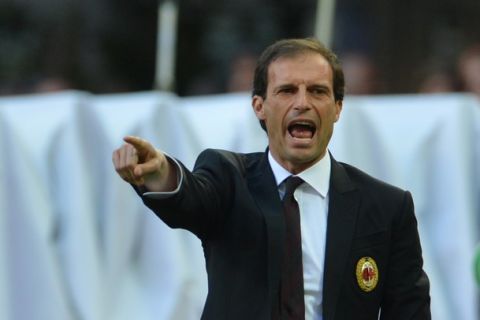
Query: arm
x=203, y=198
x=197, y=202
x=407, y=286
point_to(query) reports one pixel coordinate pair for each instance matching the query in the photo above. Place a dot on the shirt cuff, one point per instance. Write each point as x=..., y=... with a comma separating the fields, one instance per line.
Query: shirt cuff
x=168, y=194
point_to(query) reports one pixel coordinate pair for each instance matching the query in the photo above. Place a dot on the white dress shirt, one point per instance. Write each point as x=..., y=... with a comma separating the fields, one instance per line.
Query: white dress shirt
x=312, y=199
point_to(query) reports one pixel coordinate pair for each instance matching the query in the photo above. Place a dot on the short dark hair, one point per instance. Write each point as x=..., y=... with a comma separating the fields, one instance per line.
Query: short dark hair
x=291, y=48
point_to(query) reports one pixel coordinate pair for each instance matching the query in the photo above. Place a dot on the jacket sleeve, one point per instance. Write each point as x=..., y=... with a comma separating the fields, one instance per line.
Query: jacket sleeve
x=407, y=286
x=201, y=200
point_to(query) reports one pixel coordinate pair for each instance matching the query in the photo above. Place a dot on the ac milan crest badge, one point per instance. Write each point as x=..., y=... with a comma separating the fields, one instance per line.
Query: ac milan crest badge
x=367, y=274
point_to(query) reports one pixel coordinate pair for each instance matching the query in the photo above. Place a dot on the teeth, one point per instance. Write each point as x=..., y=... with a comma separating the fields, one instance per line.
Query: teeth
x=303, y=123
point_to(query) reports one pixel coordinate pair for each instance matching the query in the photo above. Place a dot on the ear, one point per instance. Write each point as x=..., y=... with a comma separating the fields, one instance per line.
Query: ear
x=257, y=104
x=338, y=109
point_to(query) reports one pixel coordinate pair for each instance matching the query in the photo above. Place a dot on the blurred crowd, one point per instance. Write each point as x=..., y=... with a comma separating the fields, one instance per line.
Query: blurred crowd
x=436, y=76
x=109, y=46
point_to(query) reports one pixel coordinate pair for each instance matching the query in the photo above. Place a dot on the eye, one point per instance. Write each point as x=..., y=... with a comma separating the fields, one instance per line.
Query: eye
x=319, y=91
x=287, y=90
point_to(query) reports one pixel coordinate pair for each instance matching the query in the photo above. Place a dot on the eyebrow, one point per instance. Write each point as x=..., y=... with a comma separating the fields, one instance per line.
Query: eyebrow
x=284, y=86
x=319, y=86
x=312, y=86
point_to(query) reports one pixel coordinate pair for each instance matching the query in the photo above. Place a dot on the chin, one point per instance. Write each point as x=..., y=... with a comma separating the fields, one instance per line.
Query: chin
x=305, y=156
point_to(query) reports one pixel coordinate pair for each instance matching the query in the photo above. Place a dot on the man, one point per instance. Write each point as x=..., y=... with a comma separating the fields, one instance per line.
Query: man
x=345, y=242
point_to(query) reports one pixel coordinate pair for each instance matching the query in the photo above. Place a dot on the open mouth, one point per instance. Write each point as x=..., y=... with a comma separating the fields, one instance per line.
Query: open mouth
x=302, y=129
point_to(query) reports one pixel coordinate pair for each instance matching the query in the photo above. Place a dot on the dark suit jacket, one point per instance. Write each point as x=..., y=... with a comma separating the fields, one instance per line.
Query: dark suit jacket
x=231, y=203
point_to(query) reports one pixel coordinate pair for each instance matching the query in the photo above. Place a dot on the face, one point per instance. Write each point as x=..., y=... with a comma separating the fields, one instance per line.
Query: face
x=299, y=110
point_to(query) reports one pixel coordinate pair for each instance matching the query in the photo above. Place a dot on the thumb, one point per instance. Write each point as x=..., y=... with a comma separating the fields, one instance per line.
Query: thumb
x=152, y=166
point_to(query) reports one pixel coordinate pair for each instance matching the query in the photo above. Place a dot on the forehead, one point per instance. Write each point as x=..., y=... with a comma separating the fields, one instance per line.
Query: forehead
x=306, y=68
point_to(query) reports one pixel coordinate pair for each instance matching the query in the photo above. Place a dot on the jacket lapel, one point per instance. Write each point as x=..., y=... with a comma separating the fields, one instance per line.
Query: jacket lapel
x=342, y=214
x=263, y=188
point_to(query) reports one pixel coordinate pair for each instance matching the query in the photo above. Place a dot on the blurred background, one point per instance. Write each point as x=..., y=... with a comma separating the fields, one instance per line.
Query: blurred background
x=110, y=46
x=76, y=76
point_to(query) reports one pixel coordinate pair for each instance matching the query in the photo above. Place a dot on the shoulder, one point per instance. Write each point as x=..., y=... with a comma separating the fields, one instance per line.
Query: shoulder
x=389, y=206
x=370, y=188
x=362, y=179
x=225, y=159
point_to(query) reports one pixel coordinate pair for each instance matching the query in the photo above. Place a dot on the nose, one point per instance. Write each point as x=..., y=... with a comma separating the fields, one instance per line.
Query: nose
x=302, y=101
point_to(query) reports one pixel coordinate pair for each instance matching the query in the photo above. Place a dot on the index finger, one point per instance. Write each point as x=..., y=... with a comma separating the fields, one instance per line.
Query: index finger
x=140, y=144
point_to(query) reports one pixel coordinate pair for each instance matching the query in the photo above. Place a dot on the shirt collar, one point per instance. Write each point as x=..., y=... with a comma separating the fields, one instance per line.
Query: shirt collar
x=317, y=176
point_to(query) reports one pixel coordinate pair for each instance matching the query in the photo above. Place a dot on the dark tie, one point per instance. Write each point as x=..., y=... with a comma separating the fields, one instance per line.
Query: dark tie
x=292, y=304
